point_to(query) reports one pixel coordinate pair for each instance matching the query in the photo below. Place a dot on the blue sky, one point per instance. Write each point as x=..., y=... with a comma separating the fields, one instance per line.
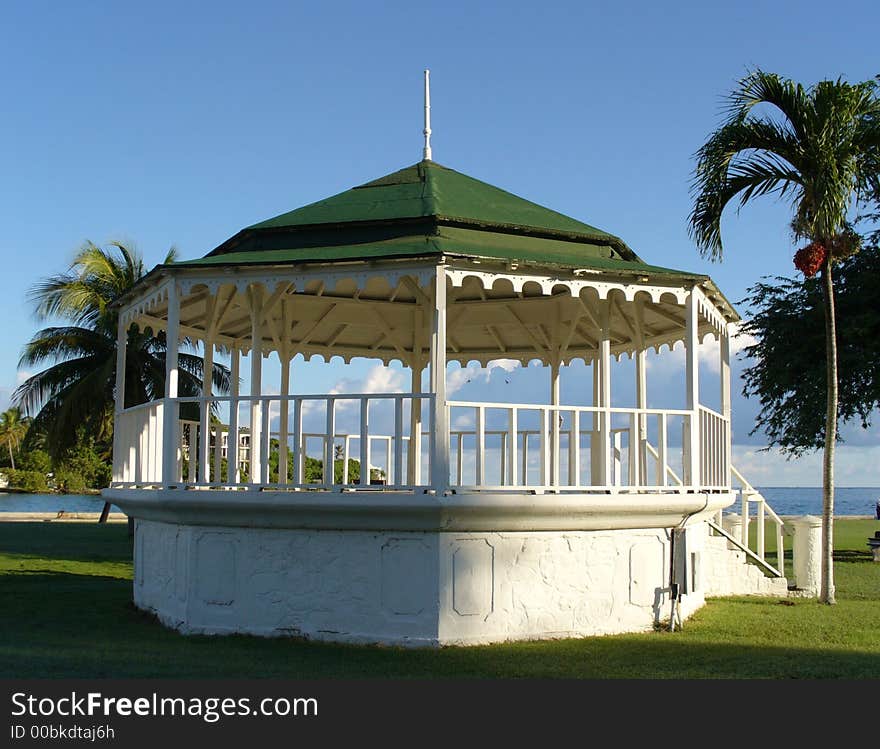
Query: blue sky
x=179, y=123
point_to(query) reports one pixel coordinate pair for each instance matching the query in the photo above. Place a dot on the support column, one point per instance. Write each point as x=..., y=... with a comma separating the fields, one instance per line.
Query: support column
x=602, y=390
x=283, y=427
x=724, y=346
x=554, y=423
x=638, y=451
x=440, y=426
x=414, y=454
x=170, y=421
x=255, y=297
x=692, y=384
x=205, y=412
x=233, y=460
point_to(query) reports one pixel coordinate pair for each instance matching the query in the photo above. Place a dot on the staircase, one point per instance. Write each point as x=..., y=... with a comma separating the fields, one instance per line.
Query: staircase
x=738, y=565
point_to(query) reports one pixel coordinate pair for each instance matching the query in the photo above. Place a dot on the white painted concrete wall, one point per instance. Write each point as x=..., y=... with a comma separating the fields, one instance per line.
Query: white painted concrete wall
x=418, y=588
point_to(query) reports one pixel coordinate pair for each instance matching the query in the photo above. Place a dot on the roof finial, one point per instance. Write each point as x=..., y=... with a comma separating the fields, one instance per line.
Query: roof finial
x=426, y=154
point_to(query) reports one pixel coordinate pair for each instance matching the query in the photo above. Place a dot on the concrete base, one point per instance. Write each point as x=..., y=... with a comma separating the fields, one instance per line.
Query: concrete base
x=418, y=589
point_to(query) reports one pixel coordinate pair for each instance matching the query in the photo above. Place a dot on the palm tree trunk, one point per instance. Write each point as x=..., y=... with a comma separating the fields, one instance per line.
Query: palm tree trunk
x=11, y=458
x=826, y=594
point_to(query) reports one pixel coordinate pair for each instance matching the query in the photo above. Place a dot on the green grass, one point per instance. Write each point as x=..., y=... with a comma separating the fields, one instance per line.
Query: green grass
x=65, y=611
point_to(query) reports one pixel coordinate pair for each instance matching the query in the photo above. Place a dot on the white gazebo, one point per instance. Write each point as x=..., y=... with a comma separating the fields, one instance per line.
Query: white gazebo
x=411, y=517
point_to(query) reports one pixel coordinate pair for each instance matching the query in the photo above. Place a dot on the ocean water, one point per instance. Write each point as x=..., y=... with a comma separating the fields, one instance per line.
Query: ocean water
x=786, y=500
x=51, y=503
x=807, y=500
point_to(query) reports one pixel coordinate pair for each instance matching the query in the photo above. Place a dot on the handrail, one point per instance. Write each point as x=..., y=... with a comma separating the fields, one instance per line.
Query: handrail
x=744, y=547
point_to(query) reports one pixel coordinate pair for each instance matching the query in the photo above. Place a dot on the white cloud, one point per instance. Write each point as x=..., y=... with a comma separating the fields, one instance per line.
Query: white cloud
x=22, y=375
x=853, y=466
x=458, y=378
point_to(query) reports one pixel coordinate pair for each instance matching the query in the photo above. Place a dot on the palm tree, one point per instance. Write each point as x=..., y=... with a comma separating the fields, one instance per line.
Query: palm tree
x=77, y=389
x=819, y=149
x=13, y=428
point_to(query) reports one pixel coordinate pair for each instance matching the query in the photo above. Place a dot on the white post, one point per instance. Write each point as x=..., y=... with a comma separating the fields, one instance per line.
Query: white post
x=233, y=471
x=170, y=423
x=440, y=456
x=205, y=415
x=284, y=357
x=727, y=447
x=605, y=396
x=692, y=385
x=554, y=423
x=414, y=456
x=638, y=441
x=255, y=297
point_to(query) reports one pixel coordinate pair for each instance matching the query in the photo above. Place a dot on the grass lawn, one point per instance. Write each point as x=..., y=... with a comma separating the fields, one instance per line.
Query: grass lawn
x=65, y=611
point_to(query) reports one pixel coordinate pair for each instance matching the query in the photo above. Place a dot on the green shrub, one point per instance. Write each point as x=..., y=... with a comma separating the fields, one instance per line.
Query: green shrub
x=70, y=481
x=29, y=481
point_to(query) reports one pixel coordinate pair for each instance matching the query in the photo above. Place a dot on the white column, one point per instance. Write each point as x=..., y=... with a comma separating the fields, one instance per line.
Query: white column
x=440, y=430
x=554, y=423
x=284, y=357
x=692, y=384
x=595, y=439
x=170, y=421
x=414, y=455
x=255, y=296
x=205, y=412
x=724, y=346
x=232, y=444
x=638, y=457
x=605, y=396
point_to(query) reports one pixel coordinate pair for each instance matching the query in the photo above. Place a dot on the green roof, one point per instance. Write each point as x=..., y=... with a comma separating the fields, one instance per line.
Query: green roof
x=427, y=210
x=446, y=241
x=428, y=189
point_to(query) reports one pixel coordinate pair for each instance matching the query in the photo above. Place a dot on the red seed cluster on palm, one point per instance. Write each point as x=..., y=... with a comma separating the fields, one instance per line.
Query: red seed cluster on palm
x=808, y=260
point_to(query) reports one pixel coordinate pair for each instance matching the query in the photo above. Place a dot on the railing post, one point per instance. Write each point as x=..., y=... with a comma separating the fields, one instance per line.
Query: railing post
x=298, y=457
x=760, y=528
x=745, y=517
x=480, y=446
x=365, y=441
x=512, y=464
x=170, y=422
x=662, y=452
x=283, y=415
x=574, y=449
x=329, y=444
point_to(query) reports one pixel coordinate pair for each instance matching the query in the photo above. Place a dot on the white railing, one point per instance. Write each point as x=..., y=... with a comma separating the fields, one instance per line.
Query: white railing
x=714, y=450
x=137, y=439
x=321, y=441
x=565, y=448
x=751, y=497
x=284, y=451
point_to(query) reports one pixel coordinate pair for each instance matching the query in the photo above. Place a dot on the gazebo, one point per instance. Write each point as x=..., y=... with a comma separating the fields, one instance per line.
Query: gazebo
x=410, y=517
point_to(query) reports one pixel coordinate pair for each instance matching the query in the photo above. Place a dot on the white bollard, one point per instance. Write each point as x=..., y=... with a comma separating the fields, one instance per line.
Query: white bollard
x=732, y=523
x=807, y=546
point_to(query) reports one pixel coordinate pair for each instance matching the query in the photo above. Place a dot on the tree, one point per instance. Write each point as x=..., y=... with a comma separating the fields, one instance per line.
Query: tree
x=819, y=149
x=13, y=428
x=787, y=325
x=77, y=389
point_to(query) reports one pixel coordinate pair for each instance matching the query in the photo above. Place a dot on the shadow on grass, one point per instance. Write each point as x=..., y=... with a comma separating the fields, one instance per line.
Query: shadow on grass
x=849, y=555
x=65, y=625
x=76, y=542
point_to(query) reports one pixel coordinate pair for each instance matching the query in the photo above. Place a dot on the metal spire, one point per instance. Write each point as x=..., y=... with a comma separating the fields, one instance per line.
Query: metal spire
x=426, y=153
